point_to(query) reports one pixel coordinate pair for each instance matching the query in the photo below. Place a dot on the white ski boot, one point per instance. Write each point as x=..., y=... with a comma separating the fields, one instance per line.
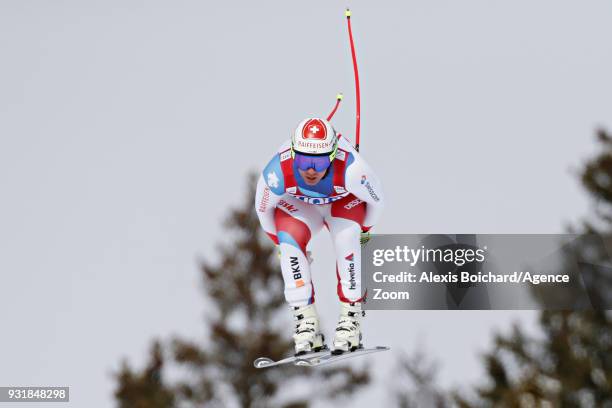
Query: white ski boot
x=308, y=337
x=348, y=330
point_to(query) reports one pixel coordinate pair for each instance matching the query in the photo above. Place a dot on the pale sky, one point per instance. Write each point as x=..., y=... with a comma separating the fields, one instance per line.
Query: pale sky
x=127, y=129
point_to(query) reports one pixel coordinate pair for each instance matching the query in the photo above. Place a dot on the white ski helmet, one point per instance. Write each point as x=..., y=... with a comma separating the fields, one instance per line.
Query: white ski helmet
x=315, y=136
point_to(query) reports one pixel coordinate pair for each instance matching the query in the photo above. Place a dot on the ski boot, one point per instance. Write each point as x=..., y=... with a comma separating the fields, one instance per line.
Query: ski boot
x=348, y=330
x=308, y=337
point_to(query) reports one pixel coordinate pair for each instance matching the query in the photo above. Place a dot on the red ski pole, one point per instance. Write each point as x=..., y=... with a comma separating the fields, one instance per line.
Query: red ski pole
x=338, y=99
x=358, y=111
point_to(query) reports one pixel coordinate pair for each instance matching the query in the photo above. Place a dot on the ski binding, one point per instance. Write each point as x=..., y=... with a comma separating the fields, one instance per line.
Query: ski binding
x=328, y=358
x=316, y=359
x=264, y=362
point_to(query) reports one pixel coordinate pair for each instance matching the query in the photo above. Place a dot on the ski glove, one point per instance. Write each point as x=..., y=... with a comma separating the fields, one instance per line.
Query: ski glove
x=365, y=237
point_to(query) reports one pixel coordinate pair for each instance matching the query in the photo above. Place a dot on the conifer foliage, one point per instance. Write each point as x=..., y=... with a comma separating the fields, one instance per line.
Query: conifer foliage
x=570, y=363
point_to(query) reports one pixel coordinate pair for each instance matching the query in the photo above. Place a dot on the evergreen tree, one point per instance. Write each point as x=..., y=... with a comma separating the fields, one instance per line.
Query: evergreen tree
x=145, y=389
x=571, y=364
x=418, y=387
x=247, y=318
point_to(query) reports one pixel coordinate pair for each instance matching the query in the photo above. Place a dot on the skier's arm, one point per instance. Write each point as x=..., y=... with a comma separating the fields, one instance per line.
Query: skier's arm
x=270, y=189
x=361, y=180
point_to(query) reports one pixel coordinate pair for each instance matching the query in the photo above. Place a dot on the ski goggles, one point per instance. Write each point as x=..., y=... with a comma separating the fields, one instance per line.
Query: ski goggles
x=308, y=161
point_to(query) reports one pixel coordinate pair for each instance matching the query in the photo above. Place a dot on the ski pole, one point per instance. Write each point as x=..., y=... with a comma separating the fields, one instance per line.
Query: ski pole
x=338, y=99
x=358, y=112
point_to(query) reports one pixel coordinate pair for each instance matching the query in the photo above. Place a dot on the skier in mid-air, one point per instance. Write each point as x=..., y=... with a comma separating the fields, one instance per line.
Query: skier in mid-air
x=316, y=180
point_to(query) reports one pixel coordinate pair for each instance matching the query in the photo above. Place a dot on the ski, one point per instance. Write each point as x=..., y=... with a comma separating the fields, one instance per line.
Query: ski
x=316, y=361
x=264, y=362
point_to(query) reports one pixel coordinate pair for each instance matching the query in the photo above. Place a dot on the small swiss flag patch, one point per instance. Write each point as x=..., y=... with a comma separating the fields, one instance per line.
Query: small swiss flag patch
x=314, y=129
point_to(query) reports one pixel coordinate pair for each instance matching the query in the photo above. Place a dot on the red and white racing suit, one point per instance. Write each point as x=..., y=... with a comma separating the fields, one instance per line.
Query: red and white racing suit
x=348, y=200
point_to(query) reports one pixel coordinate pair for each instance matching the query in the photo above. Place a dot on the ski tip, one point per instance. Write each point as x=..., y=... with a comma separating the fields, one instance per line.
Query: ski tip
x=262, y=362
x=347, y=13
x=339, y=96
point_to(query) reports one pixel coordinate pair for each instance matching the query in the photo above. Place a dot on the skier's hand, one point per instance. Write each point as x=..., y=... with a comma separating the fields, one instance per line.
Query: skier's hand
x=365, y=237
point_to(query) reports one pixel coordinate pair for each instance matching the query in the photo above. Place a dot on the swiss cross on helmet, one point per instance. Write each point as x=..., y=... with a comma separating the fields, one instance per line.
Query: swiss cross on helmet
x=314, y=129
x=315, y=136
